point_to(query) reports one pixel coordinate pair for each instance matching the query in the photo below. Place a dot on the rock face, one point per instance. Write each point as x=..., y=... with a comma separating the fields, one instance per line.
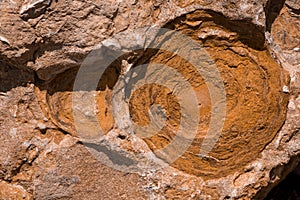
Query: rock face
x=148, y=99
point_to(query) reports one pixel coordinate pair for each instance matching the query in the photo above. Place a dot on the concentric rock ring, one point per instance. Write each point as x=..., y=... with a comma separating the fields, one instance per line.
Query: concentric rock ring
x=256, y=104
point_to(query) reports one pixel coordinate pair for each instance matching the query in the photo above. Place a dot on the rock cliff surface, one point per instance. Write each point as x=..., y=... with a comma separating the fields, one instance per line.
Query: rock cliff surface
x=138, y=132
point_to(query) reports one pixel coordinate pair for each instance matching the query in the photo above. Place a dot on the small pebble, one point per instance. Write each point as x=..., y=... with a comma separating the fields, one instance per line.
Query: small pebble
x=41, y=126
x=285, y=89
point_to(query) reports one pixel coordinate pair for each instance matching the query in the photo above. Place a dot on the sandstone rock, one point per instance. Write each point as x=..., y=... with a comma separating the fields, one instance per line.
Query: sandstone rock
x=9, y=191
x=142, y=132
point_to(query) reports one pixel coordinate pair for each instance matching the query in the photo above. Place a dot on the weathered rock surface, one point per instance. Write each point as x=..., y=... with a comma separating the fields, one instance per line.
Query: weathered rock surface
x=255, y=45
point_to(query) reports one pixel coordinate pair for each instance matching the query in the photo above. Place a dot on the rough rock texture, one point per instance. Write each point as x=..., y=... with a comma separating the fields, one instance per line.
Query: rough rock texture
x=255, y=45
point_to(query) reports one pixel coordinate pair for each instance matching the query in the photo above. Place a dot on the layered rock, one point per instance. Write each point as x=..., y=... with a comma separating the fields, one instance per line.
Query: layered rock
x=44, y=153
